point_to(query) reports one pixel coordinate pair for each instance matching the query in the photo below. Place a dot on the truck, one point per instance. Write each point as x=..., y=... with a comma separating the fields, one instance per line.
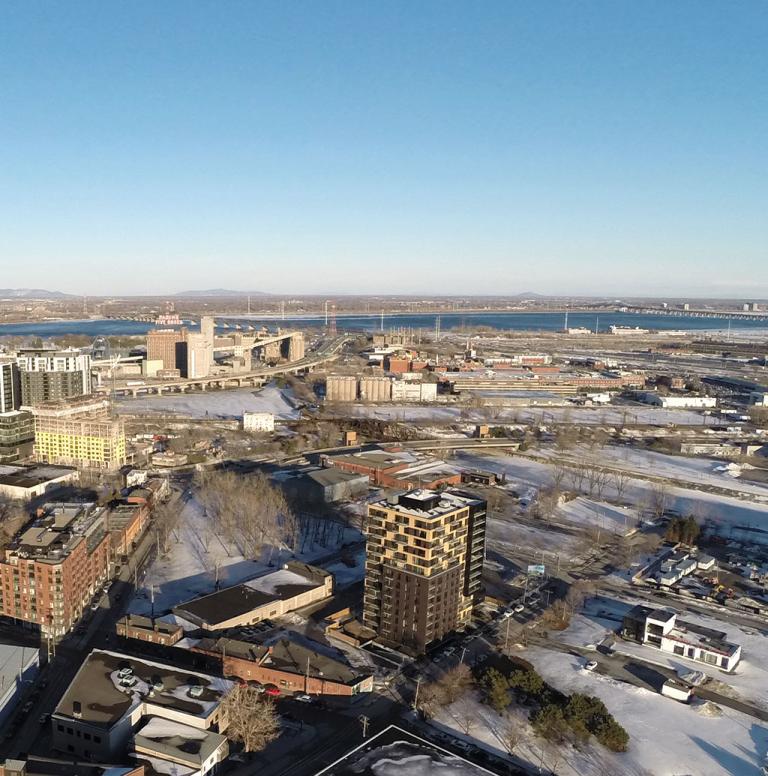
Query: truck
x=678, y=691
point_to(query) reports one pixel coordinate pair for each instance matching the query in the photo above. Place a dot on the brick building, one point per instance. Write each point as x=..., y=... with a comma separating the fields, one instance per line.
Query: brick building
x=50, y=572
x=291, y=666
x=157, y=631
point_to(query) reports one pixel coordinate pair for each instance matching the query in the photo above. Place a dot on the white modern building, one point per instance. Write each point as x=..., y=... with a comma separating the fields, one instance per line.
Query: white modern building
x=677, y=402
x=258, y=422
x=660, y=628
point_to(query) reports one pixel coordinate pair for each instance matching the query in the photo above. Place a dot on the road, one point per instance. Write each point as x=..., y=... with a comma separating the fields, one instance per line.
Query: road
x=649, y=676
x=24, y=732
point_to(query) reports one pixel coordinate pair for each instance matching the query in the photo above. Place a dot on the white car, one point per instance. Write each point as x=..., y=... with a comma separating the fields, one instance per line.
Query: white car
x=519, y=608
x=304, y=698
x=591, y=665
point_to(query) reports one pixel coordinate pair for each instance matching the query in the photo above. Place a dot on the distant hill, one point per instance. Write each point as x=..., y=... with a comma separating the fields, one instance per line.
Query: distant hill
x=33, y=293
x=221, y=292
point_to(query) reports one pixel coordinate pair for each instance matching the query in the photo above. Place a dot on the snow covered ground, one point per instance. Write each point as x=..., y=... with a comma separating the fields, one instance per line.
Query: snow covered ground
x=197, y=554
x=749, y=680
x=608, y=517
x=697, y=471
x=667, y=738
x=604, y=416
x=743, y=519
x=215, y=404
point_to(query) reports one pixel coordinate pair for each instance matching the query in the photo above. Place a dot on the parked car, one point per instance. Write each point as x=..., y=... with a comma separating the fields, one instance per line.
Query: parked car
x=271, y=690
x=590, y=665
x=304, y=698
x=519, y=608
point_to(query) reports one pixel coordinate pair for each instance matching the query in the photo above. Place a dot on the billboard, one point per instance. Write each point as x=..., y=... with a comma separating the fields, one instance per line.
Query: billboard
x=536, y=570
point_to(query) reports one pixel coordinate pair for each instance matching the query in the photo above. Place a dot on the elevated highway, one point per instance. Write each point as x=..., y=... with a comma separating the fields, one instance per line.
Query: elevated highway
x=256, y=377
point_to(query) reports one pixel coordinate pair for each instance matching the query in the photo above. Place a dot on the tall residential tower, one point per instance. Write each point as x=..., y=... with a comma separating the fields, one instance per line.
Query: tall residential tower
x=425, y=553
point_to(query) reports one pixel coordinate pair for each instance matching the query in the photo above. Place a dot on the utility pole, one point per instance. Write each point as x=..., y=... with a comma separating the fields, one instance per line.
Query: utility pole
x=463, y=654
x=364, y=721
x=506, y=635
x=416, y=695
x=326, y=313
x=306, y=680
x=152, y=599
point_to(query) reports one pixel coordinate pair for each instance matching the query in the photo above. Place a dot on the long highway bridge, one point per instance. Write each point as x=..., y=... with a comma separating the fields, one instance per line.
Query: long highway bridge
x=736, y=315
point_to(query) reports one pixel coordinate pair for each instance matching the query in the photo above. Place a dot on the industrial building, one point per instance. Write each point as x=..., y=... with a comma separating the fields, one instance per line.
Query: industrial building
x=676, y=402
x=272, y=595
x=164, y=346
x=424, y=560
x=79, y=433
x=52, y=569
x=325, y=486
x=341, y=388
x=23, y=483
x=49, y=374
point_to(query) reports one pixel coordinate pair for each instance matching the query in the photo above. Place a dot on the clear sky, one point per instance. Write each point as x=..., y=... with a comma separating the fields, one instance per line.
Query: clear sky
x=430, y=147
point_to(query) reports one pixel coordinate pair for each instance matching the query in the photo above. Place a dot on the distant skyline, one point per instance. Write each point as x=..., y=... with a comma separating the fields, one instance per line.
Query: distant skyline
x=606, y=148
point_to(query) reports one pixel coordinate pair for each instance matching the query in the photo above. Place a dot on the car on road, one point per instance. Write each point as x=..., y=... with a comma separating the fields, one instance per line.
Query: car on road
x=44, y=718
x=304, y=698
x=590, y=665
x=519, y=608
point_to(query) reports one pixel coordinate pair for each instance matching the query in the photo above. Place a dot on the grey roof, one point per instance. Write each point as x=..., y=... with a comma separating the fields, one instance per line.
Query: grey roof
x=101, y=703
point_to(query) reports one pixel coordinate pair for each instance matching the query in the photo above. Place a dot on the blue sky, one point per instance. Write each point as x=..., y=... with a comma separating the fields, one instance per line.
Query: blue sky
x=426, y=147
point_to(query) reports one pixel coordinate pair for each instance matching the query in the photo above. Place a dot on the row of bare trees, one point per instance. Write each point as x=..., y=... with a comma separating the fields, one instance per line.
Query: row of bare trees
x=249, y=512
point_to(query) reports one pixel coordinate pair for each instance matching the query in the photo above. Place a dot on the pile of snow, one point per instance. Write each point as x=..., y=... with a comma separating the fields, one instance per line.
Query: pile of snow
x=157, y=727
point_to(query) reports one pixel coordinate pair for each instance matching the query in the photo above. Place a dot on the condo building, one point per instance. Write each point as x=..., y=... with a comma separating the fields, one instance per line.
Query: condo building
x=425, y=551
x=49, y=374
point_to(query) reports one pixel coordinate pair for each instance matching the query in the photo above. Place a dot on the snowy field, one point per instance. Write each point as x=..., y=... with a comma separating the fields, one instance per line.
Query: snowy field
x=215, y=404
x=697, y=471
x=584, y=511
x=667, y=738
x=197, y=555
x=748, y=681
x=743, y=519
x=603, y=416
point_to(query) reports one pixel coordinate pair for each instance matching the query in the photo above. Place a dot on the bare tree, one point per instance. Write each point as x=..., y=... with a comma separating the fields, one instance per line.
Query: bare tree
x=659, y=498
x=465, y=715
x=620, y=481
x=576, y=476
x=455, y=682
x=510, y=733
x=252, y=721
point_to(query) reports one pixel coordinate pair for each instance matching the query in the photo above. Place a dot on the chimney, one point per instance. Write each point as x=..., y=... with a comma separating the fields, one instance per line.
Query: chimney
x=77, y=710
